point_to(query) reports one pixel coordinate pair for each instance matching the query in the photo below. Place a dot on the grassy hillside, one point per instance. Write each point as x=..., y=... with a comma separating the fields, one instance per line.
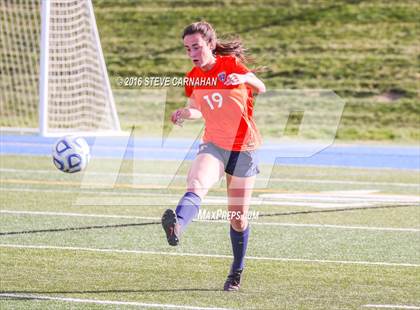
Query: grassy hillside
x=365, y=51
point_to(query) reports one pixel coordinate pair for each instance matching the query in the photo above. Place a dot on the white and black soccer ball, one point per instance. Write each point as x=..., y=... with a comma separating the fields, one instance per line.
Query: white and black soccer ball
x=71, y=154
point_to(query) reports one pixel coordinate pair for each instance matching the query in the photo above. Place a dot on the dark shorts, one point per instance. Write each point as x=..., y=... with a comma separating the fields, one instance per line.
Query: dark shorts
x=240, y=164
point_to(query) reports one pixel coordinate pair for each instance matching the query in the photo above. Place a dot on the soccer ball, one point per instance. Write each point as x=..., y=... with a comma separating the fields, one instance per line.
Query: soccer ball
x=71, y=154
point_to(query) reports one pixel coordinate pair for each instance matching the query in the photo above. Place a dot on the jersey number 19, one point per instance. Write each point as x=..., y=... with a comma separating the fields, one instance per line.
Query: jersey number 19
x=216, y=98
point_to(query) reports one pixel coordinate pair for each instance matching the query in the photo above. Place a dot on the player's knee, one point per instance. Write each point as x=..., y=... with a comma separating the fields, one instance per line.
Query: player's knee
x=194, y=183
x=239, y=223
x=196, y=186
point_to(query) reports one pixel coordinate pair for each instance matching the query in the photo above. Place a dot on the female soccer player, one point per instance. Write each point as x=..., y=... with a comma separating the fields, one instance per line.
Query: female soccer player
x=230, y=137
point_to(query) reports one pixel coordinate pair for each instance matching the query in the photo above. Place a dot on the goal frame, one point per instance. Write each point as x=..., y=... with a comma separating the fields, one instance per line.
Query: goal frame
x=43, y=126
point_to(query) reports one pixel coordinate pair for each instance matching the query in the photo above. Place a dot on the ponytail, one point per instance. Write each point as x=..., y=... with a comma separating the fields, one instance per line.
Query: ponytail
x=232, y=47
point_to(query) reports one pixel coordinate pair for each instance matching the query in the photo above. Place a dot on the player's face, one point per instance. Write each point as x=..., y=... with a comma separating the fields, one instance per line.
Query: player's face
x=198, y=50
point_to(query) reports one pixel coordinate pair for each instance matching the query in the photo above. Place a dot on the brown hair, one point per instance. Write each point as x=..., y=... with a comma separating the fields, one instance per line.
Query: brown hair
x=228, y=47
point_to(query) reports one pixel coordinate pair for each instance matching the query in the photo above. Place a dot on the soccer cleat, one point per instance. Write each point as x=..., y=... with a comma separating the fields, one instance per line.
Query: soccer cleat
x=171, y=227
x=233, y=281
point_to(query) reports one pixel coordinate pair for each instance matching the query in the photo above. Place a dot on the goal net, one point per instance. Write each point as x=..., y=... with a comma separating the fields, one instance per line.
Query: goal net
x=53, y=73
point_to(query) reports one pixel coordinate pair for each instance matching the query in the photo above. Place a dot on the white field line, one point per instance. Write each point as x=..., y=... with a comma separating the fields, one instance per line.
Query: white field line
x=281, y=259
x=129, y=199
x=110, y=198
x=132, y=201
x=78, y=214
x=342, y=196
x=107, y=302
x=318, y=181
x=326, y=200
x=338, y=226
x=209, y=200
x=126, y=200
x=391, y=306
x=316, y=200
x=48, y=213
x=165, y=176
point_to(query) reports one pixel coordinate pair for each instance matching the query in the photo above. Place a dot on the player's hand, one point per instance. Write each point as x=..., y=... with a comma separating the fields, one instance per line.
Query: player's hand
x=177, y=118
x=235, y=79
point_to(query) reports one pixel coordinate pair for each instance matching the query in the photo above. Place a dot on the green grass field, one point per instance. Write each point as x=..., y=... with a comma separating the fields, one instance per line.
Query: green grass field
x=107, y=244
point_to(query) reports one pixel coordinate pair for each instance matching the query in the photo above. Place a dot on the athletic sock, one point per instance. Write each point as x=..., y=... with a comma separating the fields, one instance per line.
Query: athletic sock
x=187, y=209
x=239, y=245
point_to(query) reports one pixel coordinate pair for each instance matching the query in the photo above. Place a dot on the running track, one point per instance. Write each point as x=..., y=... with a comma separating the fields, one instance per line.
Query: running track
x=361, y=156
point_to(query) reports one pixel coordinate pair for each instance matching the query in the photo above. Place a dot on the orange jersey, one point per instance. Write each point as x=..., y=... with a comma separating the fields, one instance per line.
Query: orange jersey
x=227, y=110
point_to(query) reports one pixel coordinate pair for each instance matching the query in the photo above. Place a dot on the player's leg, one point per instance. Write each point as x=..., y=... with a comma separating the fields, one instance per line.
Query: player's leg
x=241, y=171
x=205, y=171
x=239, y=191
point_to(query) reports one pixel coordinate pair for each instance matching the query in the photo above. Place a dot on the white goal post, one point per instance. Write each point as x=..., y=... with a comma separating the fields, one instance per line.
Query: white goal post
x=52, y=68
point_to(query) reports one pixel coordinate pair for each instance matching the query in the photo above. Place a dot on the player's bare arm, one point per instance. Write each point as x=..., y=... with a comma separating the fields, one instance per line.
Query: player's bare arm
x=187, y=113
